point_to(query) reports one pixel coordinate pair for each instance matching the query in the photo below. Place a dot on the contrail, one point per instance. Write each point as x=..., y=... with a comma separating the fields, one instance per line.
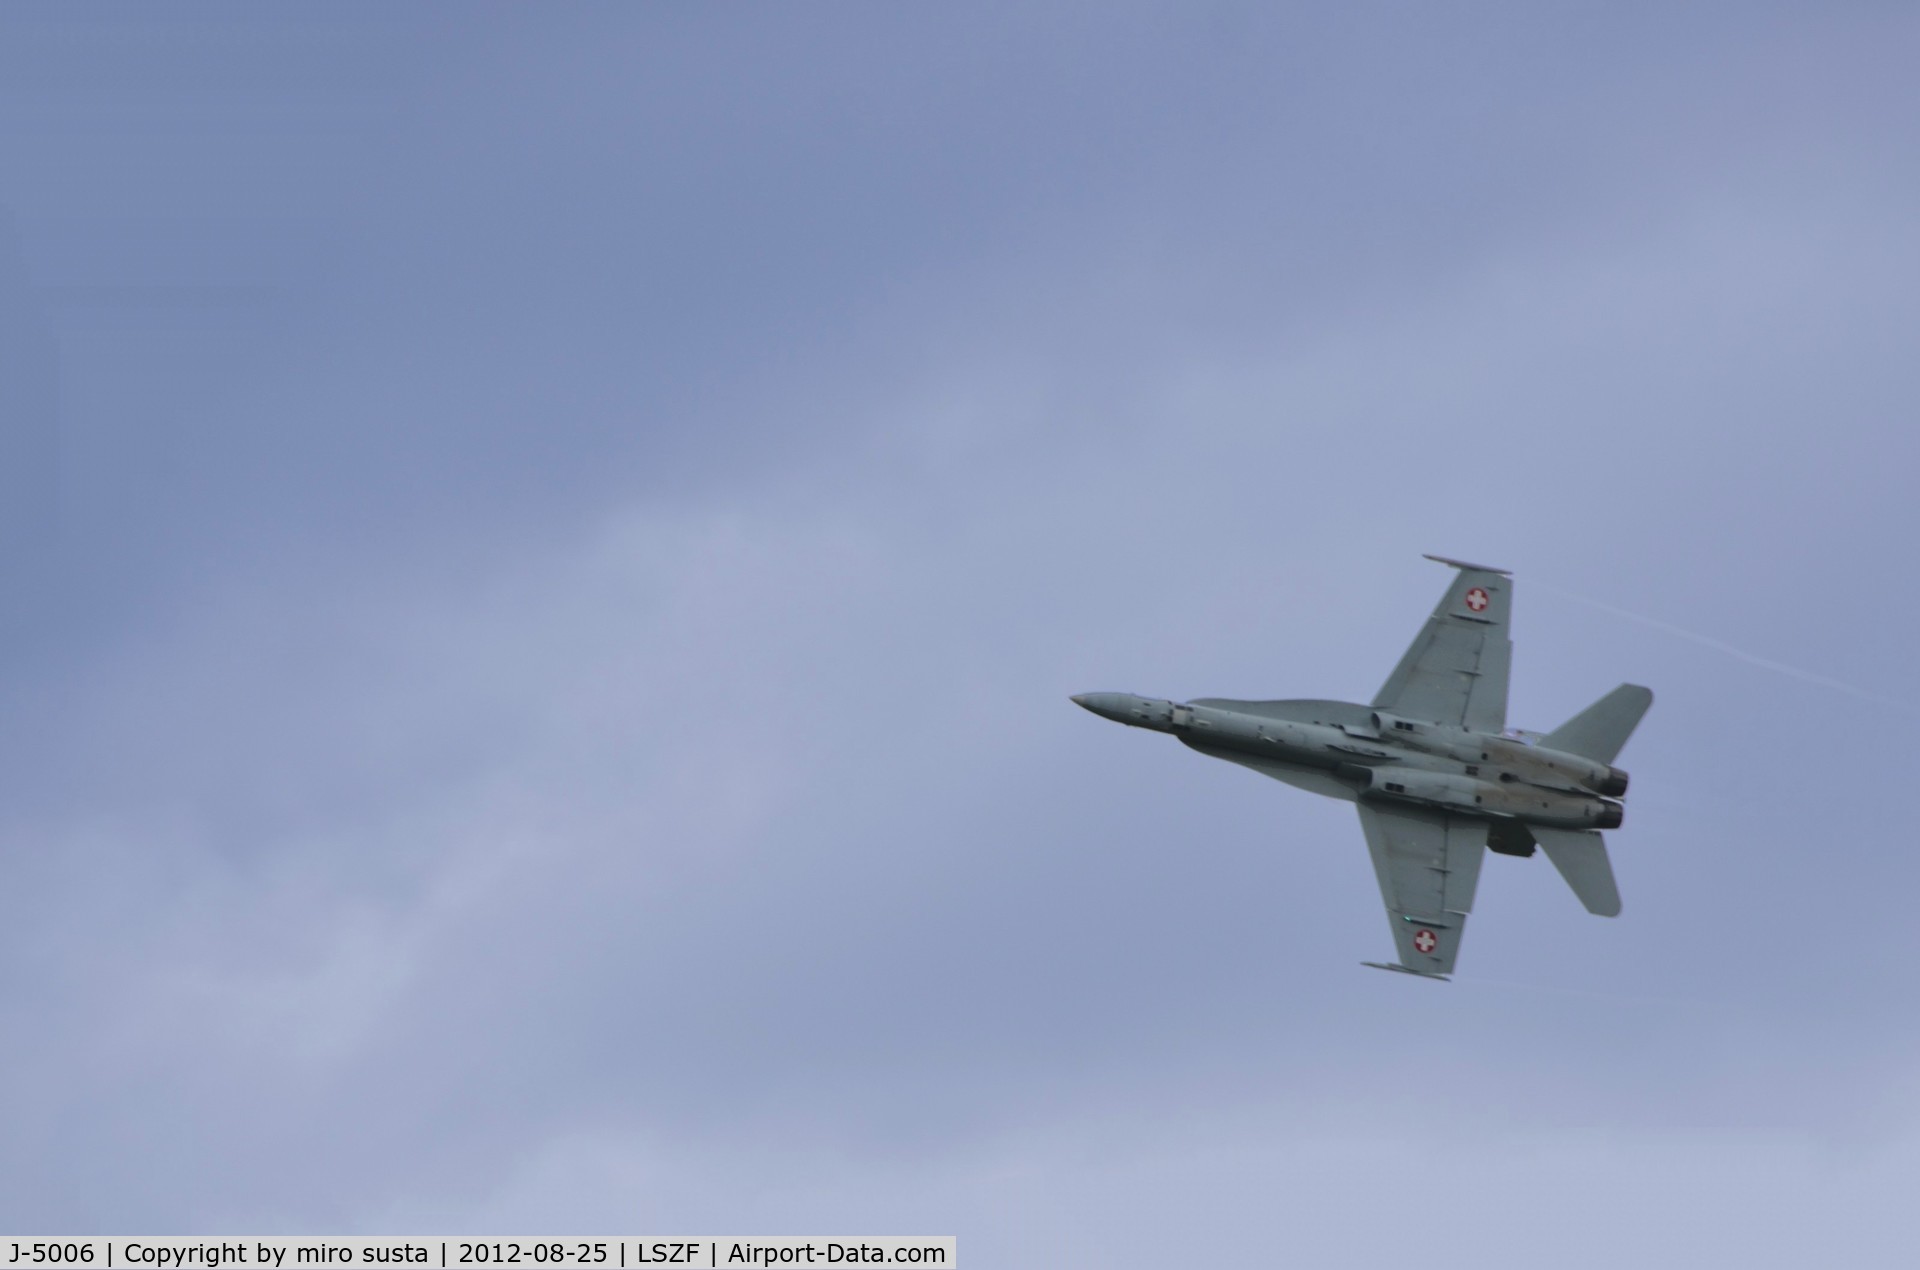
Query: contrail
x=1752, y=659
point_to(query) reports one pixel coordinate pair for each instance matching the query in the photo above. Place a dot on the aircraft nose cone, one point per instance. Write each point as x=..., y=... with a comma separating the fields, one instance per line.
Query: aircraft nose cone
x=1108, y=705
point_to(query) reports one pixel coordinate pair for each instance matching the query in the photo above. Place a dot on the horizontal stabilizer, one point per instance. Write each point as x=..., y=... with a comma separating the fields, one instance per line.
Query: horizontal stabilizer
x=1581, y=857
x=1599, y=731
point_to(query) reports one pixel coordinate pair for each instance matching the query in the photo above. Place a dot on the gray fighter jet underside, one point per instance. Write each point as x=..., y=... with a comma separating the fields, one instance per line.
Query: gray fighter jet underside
x=1435, y=776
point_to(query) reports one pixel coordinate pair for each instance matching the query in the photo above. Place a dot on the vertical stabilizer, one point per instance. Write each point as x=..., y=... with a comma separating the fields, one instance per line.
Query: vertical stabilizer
x=1599, y=731
x=1581, y=857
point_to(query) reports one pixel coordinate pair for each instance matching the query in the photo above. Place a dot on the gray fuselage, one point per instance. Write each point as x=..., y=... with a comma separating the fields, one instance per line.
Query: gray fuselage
x=1381, y=756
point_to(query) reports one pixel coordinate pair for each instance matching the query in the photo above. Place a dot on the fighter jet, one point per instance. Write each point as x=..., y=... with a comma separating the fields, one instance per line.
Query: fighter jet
x=1437, y=779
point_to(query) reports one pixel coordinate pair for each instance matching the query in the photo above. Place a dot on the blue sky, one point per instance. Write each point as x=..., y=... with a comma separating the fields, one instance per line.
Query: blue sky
x=550, y=549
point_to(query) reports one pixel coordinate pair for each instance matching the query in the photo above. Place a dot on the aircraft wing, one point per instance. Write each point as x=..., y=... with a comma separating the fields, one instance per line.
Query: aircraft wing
x=1428, y=865
x=1455, y=671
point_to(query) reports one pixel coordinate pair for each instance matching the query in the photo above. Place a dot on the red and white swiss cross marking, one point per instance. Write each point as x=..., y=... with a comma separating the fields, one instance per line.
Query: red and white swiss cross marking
x=1425, y=940
x=1476, y=599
